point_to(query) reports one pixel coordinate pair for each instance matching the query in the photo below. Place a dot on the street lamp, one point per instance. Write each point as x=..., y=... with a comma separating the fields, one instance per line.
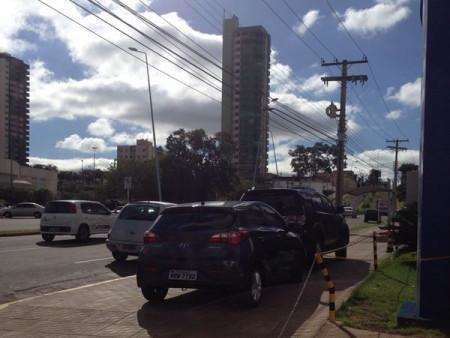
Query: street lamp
x=158, y=179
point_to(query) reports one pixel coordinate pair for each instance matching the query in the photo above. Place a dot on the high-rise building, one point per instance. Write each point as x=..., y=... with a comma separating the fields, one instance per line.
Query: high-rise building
x=245, y=92
x=141, y=152
x=14, y=109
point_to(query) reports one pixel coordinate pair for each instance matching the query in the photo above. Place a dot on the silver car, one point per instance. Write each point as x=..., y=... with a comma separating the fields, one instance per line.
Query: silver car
x=22, y=210
x=127, y=233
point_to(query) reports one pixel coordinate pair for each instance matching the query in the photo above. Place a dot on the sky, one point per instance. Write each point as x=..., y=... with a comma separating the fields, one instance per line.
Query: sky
x=86, y=92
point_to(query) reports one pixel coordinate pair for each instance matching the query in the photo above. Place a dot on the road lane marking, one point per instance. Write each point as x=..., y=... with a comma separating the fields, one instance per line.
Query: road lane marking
x=93, y=260
x=5, y=305
x=18, y=250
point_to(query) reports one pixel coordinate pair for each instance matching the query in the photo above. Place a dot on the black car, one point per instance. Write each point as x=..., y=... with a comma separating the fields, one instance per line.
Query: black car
x=227, y=245
x=371, y=215
x=310, y=214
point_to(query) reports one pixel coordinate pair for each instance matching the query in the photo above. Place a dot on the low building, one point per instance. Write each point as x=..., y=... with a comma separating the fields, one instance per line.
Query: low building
x=412, y=185
x=350, y=183
x=141, y=152
x=321, y=183
x=25, y=177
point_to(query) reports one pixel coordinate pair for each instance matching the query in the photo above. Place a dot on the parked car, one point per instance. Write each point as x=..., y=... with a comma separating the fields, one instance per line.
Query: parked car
x=23, y=209
x=371, y=215
x=117, y=209
x=350, y=212
x=310, y=214
x=127, y=233
x=74, y=217
x=225, y=245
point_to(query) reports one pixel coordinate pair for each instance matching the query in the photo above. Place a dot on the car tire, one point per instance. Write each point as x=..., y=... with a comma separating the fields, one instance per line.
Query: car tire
x=343, y=241
x=37, y=214
x=48, y=237
x=154, y=294
x=298, y=268
x=83, y=233
x=119, y=256
x=7, y=214
x=253, y=294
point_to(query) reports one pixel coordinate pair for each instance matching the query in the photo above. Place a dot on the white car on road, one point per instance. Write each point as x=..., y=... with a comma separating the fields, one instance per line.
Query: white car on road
x=74, y=217
x=23, y=209
x=127, y=233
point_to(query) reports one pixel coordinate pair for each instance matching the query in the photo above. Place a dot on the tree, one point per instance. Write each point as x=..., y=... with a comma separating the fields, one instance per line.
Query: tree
x=374, y=177
x=310, y=161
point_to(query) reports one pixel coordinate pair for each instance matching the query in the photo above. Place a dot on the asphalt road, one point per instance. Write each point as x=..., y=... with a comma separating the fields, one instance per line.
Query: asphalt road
x=29, y=266
x=19, y=223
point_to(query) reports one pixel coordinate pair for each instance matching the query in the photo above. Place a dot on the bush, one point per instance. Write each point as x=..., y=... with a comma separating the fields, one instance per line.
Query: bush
x=407, y=218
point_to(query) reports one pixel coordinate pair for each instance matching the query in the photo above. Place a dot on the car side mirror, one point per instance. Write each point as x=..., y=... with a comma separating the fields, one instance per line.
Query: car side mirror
x=340, y=209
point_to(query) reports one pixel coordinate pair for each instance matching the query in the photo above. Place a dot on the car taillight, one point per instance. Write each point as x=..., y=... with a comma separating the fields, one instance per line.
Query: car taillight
x=232, y=237
x=150, y=237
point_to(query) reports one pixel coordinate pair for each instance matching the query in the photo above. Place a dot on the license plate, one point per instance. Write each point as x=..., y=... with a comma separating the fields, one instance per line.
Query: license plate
x=187, y=275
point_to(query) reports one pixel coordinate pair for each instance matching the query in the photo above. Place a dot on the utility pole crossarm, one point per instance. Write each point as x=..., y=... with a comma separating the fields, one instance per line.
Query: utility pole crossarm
x=339, y=63
x=350, y=78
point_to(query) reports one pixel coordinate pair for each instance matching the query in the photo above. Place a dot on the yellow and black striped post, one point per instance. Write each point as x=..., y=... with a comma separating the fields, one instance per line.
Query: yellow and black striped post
x=390, y=243
x=375, y=251
x=330, y=287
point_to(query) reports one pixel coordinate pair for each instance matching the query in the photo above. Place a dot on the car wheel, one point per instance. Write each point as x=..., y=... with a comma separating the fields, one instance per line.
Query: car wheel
x=37, y=214
x=119, y=256
x=7, y=214
x=48, y=237
x=298, y=267
x=154, y=294
x=254, y=292
x=83, y=233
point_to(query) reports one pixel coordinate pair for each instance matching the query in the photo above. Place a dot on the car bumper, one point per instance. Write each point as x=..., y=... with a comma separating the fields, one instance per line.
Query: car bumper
x=56, y=230
x=220, y=274
x=129, y=248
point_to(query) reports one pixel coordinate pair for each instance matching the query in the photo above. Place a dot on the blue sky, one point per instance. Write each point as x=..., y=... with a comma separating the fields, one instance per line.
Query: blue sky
x=85, y=92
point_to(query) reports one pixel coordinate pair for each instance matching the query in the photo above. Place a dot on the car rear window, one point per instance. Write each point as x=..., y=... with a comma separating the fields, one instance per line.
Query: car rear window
x=60, y=208
x=139, y=212
x=284, y=202
x=194, y=219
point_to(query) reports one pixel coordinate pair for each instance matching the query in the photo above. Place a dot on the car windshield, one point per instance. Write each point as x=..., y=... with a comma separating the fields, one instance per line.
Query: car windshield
x=194, y=219
x=139, y=212
x=284, y=203
x=59, y=208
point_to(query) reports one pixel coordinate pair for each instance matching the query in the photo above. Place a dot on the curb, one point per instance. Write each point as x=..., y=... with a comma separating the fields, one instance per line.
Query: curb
x=14, y=233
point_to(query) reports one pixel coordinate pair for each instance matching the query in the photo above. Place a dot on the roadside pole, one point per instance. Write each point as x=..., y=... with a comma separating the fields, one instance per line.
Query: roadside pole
x=342, y=124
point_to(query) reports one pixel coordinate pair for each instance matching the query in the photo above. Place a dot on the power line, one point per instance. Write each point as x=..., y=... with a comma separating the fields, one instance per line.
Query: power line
x=127, y=52
x=202, y=16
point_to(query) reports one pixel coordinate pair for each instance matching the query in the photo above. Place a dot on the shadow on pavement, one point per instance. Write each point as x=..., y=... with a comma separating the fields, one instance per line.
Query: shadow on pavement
x=70, y=243
x=212, y=314
x=123, y=269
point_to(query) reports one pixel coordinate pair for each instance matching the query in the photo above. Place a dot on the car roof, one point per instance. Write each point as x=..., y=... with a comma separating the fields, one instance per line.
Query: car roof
x=76, y=201
x=216, y=204
x=153, y=202
x=305, y=192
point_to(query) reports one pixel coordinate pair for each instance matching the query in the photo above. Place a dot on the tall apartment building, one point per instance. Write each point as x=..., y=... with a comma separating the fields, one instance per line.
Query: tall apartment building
x=141, y=152
x=245, y=92
x=14, y=109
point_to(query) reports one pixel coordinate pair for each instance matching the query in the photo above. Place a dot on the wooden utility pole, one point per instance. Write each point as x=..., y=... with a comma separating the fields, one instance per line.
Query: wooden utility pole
x=396, y=148
x=342, y=124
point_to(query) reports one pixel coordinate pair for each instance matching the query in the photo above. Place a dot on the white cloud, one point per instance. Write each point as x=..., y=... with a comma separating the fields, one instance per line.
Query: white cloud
x=309, y=19
x=315, y=84
x=101, y=127
x=73, y=164
x=394, y=114
x=384, y=15
x=85, y=145
x=409, y=94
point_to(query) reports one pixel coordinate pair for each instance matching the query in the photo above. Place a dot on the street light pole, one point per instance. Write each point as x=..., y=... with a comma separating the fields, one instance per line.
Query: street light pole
x=158, y=177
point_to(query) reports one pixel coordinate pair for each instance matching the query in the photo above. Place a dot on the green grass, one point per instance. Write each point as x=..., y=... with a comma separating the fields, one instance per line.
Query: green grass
x=375, y=303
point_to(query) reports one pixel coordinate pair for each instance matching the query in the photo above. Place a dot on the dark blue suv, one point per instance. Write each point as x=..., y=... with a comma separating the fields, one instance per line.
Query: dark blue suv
x=230, y=245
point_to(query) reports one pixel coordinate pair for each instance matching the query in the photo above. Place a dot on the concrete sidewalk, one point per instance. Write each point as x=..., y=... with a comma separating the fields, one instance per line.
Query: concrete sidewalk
x=336, y=330
x=117, y=309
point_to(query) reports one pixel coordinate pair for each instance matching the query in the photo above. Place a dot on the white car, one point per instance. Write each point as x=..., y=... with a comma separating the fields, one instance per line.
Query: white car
x=73, y=217
x=127, y=233
x=23, y=209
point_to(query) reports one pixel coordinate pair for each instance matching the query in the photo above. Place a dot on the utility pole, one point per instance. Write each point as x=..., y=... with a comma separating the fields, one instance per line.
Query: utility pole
x=342, y=124
x=396, y=148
